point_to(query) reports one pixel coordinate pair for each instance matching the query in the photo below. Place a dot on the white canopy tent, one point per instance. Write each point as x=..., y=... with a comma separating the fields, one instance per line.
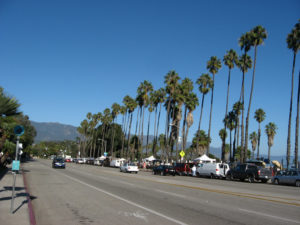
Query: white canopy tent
x=149, y=159
x=204, y=159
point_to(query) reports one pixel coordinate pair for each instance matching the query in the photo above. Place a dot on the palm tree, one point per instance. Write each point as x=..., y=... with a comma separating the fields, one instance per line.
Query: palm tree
x=244, y=64
x=213, y=65
x=160, y=98
x=293, y=44
x=131, y=104
x=230, y=59
x=171, y=82
x=143, y=91
x=297, y=127
x=270, y=131
x=259, y=116
x=187, y=88
x=200, y=142
x=150, y=109
x=191, y=104
x=8, y=106
x=258, y=34
x=230, y=121
x=253, y=139
x=115, y=110
x=205, y=84
x=223, y=135
x=123, y=111
x=237, y=108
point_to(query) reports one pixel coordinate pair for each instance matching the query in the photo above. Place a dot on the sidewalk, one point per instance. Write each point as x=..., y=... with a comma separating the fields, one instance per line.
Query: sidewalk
x=20, y=213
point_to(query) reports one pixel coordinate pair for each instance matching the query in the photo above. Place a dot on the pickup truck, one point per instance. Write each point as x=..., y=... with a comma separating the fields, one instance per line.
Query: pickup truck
x=251, y=172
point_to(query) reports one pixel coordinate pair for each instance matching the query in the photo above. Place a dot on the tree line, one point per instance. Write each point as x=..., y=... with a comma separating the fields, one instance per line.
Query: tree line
x=179, y=100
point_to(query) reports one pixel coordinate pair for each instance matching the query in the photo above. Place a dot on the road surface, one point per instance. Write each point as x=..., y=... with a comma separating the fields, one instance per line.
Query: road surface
x=85, y=194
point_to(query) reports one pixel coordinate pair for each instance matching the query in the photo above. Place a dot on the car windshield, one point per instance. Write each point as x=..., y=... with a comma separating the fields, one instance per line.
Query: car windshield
x=131, y=164
x=59, y=160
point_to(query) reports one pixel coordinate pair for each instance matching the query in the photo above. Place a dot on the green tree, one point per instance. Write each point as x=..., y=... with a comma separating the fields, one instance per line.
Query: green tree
x=293, y=44
x=230, y=121
x=258, y=34
x=259, y=116
x=213, y=65
x=200, y=142
x=115, y=110
x=270, y=131
x=223, y=135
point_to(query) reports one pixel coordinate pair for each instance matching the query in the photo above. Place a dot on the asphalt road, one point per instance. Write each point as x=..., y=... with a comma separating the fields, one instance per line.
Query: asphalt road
x=84, y=194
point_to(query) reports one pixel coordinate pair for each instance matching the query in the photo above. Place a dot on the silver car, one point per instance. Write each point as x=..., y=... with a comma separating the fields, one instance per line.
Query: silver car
x=291, y=177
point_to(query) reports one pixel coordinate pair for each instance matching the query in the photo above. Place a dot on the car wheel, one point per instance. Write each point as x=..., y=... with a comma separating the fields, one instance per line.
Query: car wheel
x=276, y=181
x=136, y=172
x=264, y=180
x=212, y=176
x=251, y=179
x=297, y=183
x=120, y=170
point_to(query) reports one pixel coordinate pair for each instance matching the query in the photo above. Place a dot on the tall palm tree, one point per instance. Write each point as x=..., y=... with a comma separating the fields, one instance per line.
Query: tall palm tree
x=258, y=34
x=205, y=84
x=150, y=109
x=223, y=135
x=143, y=90
x=270, y=131
x=187, y=88
x=259, y=116
x=253, y=139
x=123, y=111
x=230, y=59
x=237, y=108
x=293, y=44
x=244, y=64
x=213, y=65
x=115, y=110
x=230, y=121
x=171, y=82
x=191, y=104
x=160, y=97
x=297, y=127
x=8, y=106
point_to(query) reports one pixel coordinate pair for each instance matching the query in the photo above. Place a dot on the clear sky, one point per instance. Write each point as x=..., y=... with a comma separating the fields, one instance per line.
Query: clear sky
x=64, y=58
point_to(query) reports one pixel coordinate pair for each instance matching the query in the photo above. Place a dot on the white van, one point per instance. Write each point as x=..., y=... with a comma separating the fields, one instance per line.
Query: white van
x=212, y=170
x=117, y=162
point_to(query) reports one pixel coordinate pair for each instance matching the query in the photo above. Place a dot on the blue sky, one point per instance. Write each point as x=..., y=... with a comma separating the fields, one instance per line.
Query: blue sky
x=62, y=59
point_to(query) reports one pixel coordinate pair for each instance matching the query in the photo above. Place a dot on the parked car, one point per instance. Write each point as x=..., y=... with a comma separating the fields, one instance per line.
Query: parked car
x=164, y=170
x=182, y=169
x=58, y=163
x=212, y=170
x=67, y=160
x=79, y=161
x=251, y=172
x=129, y=168
x=90, y=161
x=291, y=177
x=98, y=162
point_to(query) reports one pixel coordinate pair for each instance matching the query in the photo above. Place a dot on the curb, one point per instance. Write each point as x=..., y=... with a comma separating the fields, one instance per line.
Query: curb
x=30, y=208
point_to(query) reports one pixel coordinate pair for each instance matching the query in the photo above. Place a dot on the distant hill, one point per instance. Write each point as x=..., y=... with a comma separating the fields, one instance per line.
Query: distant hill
x=54, y=132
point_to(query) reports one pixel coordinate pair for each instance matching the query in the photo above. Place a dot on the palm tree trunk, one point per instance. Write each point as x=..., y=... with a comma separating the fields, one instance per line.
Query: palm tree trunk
x=167, y=128
x=154, y=131
x=269, y=153
x=158, y=119
x=230, y=146
x=288, y=151
x=183, y=129
x=148, y=134
x=258, y=142
x=224, y=140
x=234, y=145
x=242, y=128
x=297, y=128
x=136, y=127
x=128, y=139
x=202, y=103
x=249, y=106
x=210, y=116
x=142, y=132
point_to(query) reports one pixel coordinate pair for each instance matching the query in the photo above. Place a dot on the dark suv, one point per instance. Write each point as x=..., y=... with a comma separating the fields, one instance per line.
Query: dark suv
x=58, y=163
x=164, y=170
x=251, y=172
x=182, y=169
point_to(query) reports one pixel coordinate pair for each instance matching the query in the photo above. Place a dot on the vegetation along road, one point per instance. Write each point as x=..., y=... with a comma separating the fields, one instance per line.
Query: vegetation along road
x=84, y=194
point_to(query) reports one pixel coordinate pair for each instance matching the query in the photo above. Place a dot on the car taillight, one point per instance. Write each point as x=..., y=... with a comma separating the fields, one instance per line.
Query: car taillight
x=258, y=172
x=217, y=170
x=166, y=170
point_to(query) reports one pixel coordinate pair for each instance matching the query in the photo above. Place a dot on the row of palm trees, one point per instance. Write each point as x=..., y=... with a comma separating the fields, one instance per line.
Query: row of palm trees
x=179, y=100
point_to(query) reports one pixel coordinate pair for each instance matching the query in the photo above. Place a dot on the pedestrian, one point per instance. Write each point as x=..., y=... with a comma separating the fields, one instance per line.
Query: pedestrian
x=194, y=170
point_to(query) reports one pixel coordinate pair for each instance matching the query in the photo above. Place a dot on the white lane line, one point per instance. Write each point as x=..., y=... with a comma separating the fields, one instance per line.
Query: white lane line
x=271, y=216
x=127, y=201
x=173, y=194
